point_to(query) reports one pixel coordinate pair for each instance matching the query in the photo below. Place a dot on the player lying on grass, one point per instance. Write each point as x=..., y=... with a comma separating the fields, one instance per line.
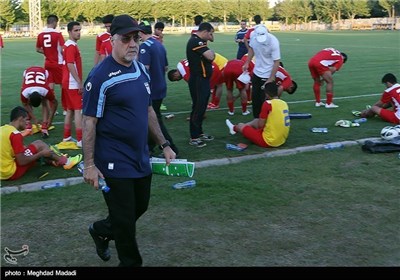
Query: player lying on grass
x=389, y=98
x=17, y=159
x=271, y=128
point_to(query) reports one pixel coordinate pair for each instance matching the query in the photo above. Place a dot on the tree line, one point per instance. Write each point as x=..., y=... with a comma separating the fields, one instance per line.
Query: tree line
x=182, y=12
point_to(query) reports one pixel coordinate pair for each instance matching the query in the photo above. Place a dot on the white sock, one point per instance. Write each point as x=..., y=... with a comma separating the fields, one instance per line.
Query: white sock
x=230, y=126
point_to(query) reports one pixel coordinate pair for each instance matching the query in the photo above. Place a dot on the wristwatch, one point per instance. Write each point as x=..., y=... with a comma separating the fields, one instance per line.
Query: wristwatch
x=166, y=144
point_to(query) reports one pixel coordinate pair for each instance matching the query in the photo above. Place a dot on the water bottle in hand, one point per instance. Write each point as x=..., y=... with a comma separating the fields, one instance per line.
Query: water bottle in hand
x=102, y=183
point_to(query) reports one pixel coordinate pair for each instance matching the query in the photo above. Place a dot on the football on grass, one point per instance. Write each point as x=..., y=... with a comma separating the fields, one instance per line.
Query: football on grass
x=389, y=132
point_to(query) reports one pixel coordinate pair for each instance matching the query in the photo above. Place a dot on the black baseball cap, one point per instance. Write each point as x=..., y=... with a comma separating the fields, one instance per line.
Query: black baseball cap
x=124, y=24
x=145, y=27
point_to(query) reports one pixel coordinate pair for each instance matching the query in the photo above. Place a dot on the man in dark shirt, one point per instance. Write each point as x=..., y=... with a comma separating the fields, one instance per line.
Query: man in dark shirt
x=200, y=59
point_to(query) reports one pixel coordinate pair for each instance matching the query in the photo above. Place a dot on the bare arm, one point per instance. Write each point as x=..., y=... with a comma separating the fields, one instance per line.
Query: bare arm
x=29, y=109
x=157, y=135
x=74, y=73
x=209, y=54
x=250, y=56
x=273, y=71
x=96, y=57
x=91, y=173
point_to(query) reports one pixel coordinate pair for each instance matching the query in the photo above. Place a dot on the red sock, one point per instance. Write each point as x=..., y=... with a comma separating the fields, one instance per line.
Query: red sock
x=78, y=134
x=317, y=92
x=216, y=101
x=329, y=97
x=67, y=130
x=248, y=92
x=230, y=106
x=213, y=96
x=244, y=106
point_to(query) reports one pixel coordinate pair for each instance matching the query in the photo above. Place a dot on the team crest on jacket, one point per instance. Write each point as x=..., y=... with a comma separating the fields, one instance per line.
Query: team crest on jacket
x=201, y=43
x=147, y=87
x=88, y=86
x=142, y=51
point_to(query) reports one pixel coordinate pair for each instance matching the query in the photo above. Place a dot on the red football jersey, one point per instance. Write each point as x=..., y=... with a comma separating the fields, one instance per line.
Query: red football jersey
x=183, y=68
x=71, y=55
x=36, y=78
x=51, y=41
x=283, y=78
x=102, y=38
x=329, y=57
x=106, y=48
x=216, y=77
x=392, y=95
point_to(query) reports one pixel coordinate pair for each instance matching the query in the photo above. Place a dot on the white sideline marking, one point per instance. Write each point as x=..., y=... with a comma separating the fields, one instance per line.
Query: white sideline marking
x=289, y=102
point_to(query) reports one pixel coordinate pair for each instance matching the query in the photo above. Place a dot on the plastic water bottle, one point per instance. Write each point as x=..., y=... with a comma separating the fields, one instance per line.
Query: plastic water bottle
x=52, y=185
x=319, y=130
x=331, y=146
x=361, y=120
x=233, y=147
x=102, y=183
x=184, y=185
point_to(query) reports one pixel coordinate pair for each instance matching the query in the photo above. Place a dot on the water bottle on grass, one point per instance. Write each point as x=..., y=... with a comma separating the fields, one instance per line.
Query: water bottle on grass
x=184, y=185
x=332, y=146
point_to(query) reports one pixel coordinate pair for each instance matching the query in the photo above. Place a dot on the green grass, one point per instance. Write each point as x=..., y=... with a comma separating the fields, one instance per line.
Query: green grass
x=322, y=208
x=309, y=209
x=371, y=55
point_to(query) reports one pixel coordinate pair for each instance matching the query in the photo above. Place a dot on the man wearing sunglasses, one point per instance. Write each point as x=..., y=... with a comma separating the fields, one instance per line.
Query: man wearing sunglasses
x=117, y=118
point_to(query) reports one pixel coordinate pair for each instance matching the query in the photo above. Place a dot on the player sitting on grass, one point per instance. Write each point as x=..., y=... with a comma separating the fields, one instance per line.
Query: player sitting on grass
x=389, y=98
x=271, y=128
x=16, y=159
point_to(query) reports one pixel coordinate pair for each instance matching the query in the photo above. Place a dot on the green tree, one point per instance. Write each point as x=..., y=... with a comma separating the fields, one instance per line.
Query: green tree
x=286, y=10
x=302, y=10
x=353, y=8
x=7, y=14
x=389, y=5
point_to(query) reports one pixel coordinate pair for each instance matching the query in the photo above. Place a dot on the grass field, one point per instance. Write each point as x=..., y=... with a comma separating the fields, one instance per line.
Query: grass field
x=322, y=208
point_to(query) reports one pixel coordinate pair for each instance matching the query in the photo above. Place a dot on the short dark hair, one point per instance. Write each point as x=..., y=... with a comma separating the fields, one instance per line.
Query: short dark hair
x=271, y=89
x=35, y=99
x=52, y=19
x=198, y=19
x=344, y=57
x=159, y=25
x=71, y=25
x=108, y=19
x=389, y=78
x=171, y=74
x=206, y=26
x=257, y=19
x=294, y=87
x=18, y=112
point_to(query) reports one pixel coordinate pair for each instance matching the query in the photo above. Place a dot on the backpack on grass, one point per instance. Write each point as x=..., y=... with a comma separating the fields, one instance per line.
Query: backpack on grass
x=382, y=146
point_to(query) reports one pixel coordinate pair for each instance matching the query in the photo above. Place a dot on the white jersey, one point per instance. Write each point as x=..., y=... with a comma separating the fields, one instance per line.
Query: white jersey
x=265, y=53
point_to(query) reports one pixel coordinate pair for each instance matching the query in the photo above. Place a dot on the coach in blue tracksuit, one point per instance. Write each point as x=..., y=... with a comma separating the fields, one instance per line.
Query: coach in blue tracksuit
x=200, y=59
x=117, y=119
x=154, y=56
